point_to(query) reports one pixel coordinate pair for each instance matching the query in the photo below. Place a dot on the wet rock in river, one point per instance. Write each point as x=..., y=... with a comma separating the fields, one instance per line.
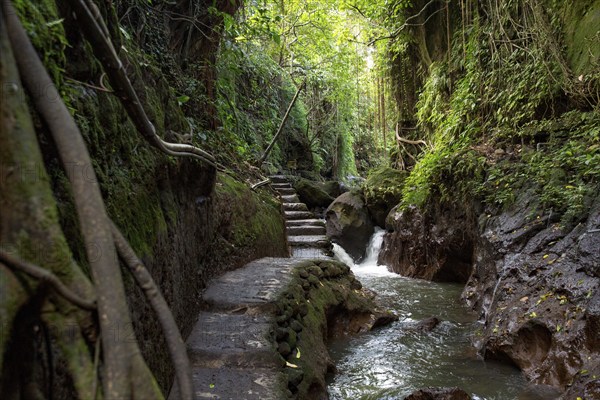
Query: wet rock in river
x=349, y=224
x=426, y=325
x=539, y=392
x=439, y=394
x=533, y=280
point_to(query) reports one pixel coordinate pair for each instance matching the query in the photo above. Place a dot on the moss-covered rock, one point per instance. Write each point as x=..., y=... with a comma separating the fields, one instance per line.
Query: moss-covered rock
x=313, y=313
x=349, y=224
x=383, y=191
x=312, y=194
x=249, y=221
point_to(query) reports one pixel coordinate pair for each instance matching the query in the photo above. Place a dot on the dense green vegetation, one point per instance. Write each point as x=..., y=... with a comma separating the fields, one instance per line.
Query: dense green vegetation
x=272, y=47
x=465, y=102
x=509, y=106
x=489, y=98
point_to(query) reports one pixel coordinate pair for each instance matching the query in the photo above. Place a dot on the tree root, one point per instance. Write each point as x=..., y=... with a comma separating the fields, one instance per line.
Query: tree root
x=122, y=358
x=123, y=88
x=175, y=343
x=46, y=276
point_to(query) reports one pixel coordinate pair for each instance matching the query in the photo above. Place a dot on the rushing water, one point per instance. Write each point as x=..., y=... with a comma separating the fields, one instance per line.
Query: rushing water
x=393, y=361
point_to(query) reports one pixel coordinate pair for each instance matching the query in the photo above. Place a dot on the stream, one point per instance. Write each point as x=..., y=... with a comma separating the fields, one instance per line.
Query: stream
x=393, y=361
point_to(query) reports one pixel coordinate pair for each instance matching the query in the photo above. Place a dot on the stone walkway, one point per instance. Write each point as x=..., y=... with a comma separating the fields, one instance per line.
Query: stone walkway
x=231, y=347
x=306, y=233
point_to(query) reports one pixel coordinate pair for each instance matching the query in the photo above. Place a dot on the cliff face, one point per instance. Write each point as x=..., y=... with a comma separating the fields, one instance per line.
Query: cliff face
x=534, y=283
x=187, y=222
x=505, y=197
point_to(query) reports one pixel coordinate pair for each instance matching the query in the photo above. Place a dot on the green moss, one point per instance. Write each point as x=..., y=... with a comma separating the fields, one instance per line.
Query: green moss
x=312, y=194
x=316, y=290
x=45, y=29
x=74, y=350
x=249, y=219
x=562, y=171
x=582, y=36
x=382, y=191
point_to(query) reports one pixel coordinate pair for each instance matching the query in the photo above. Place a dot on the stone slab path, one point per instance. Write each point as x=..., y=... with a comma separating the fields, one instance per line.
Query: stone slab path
x=231, y=346
x=306, y=233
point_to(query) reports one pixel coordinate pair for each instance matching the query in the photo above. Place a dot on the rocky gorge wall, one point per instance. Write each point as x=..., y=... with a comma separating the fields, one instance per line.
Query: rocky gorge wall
x=533, y=282
x=187, y=222
x=502, y=194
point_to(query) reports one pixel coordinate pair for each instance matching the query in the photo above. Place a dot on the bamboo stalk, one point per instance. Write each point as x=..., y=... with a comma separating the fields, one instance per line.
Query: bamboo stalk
x=281, y=125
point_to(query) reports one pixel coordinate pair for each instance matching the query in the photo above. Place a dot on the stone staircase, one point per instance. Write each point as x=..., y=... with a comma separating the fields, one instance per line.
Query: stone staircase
x=231, y=346
x=306, y=233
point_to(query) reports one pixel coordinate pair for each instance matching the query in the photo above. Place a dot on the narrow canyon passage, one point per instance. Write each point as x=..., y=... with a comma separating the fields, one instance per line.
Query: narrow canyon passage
x=394, y=361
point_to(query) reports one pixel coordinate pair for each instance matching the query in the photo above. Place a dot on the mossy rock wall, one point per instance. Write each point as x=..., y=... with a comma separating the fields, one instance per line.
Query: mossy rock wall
x=382, y=191
x=581, y=30
x=314, y=194
x=185, y=222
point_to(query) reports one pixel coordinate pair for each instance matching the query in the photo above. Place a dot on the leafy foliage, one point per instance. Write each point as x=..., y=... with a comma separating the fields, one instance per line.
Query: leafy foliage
x=503, y=111
x=269, y=50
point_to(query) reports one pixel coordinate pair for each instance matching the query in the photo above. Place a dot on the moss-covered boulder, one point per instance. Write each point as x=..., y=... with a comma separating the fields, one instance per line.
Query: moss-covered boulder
x=349, y=224
x=250, y=223
x=312, y=193
x=382, y=191
x=333, y=188
x=324, y=300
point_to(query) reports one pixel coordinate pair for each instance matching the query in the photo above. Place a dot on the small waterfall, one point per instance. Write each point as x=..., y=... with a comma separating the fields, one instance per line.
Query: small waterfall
x=442, y=357
x=369, y=265
x=374, y=247
x=341, y=255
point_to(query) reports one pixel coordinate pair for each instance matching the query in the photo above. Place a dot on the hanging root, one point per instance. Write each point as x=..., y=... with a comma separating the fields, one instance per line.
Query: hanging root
x=175, y=342
x=123, y=365
x=123, y=88
x=46, y=276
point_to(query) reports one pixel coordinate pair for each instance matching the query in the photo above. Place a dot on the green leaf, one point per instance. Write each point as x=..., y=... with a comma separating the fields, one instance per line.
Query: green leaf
x=55, y=22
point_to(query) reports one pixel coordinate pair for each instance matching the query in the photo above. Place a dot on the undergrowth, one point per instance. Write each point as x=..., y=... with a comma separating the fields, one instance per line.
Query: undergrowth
x=505, y=113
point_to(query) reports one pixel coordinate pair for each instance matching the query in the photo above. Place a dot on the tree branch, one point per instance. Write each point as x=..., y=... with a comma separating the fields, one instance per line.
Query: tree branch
x=395, y=34
x=415, y=142
x=260, y=184
x=281, y=125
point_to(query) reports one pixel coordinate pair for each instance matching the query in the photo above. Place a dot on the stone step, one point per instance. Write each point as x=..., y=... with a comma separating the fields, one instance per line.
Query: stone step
x=306, y=230
x=256, y=285
x=292, y=215
x=310, y=252
x=226, y=383
x=231, y=340
x=279, y=179
x=286, y=191
x=290, y=198
x=317, y=241
x=305, y=222
x=295, y=207
x=281, y=185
